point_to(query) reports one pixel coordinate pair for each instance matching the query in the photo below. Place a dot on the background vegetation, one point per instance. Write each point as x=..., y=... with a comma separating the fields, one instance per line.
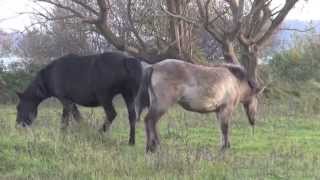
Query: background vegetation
x=284, y=146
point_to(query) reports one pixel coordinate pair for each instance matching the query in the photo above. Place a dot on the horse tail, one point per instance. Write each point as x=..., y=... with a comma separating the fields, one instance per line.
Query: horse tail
x=143, y=97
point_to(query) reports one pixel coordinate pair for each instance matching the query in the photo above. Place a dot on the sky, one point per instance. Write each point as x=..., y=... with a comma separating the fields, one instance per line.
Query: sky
x=11, y=21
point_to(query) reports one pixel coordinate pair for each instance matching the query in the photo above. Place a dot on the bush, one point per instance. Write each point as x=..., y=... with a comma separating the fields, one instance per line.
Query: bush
x=295, y=74
x=300, y=63
x=15, y=79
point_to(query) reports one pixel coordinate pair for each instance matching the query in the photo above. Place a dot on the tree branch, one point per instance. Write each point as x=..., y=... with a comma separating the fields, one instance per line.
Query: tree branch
x=187, y=20
x=133, y=29
x=85, y=6
x=59, y=5
x=276, y=22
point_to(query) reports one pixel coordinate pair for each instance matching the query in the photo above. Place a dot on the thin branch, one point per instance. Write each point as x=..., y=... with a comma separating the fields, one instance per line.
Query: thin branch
x=177, y=16
x=204, y=14
x=59, y=5
x=276, y=22
x=85, y=6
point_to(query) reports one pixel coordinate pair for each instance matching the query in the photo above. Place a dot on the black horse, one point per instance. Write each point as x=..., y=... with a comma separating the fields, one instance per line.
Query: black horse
x=85, y=80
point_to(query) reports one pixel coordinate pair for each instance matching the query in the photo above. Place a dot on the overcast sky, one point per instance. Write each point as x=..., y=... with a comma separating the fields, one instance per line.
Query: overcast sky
x=9, y=20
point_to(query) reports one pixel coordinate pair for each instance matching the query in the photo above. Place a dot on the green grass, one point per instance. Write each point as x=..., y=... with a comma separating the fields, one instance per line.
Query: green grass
x=284, y=146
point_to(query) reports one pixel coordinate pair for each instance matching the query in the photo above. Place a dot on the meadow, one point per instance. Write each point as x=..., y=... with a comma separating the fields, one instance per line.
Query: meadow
x=285, y=145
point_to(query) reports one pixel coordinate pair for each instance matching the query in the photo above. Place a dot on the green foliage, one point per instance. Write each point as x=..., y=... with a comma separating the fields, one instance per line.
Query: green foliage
x=294, y=74
x=300, y=63
x=15, y=79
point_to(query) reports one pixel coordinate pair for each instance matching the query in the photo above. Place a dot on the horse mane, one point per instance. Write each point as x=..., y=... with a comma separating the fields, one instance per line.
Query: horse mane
x=236, y=69
x=240, y=72
x=36, y=89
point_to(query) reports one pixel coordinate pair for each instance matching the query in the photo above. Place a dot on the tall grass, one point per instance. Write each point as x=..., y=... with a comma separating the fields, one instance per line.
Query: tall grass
x=285, y=145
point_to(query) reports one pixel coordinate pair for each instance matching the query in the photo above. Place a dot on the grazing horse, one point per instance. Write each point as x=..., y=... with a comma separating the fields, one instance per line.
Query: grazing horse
x=196, y=88
x=85, y=80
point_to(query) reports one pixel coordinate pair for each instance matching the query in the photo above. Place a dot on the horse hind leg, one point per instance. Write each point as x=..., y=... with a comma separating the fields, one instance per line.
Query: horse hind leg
x=152, y=134
x=132, y=116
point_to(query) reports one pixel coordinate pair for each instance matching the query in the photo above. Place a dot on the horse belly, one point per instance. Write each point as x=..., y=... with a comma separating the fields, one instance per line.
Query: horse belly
x=195, y=100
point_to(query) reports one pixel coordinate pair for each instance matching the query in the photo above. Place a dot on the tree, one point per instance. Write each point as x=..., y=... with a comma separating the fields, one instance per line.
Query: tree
x=258, y=25
x=52, y=39
x=138, y=27
x=249, y=24
x=6, y=43
x=158, y=29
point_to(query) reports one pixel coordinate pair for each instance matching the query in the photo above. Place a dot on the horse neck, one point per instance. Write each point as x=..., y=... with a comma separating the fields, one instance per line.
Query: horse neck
x=35, y=91
x=245, y=91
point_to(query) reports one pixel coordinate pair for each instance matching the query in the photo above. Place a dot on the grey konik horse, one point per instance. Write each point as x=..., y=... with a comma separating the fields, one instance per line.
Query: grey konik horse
x=196, y=88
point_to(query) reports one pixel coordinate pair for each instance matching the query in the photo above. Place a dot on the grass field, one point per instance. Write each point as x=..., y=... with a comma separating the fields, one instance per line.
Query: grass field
x=286, y=145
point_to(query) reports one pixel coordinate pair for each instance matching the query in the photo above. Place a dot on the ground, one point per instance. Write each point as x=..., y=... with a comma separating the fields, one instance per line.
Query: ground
x=285, y=145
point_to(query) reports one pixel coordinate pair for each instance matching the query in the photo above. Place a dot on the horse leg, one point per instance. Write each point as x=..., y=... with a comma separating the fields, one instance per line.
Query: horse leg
x=150, y=121
x=110, y=115
x=129, y=100
x=76, y=113
x=65, y=114
x=224, y=115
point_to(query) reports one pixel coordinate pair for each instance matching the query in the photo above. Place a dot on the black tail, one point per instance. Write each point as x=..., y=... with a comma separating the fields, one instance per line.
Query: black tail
x=143, y=98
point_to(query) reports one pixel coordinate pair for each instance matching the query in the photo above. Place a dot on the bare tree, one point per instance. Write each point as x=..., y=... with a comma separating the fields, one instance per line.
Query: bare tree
x=249, y=24
x=52, y=39
x=255, y=22
x=258, y=26
x=157, y=29
x=138, y=27
x=222, y=19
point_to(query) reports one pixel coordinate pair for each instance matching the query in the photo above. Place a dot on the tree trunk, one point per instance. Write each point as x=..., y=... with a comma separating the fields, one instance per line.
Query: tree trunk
x=229, y=53
x=178, y=32
x=249, y=59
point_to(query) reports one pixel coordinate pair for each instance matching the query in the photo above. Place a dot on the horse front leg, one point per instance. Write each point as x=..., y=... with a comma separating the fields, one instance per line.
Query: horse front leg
x=110, y=116
x=76, y=113
x=65, y=118
x=66, y=112
x=224, y=116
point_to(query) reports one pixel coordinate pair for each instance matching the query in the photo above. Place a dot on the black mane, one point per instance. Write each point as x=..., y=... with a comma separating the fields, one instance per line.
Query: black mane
x=241, y=73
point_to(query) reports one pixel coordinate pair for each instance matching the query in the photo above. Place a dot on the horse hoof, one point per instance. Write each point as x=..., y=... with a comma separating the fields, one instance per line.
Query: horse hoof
x=64, y=127
x=150, y=149
x=102, y=130
x=131, y=143
x=225, y=148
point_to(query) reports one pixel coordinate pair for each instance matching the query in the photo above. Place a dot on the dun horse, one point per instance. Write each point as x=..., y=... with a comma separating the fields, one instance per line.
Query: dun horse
x=85, y=80
x=196, y=88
